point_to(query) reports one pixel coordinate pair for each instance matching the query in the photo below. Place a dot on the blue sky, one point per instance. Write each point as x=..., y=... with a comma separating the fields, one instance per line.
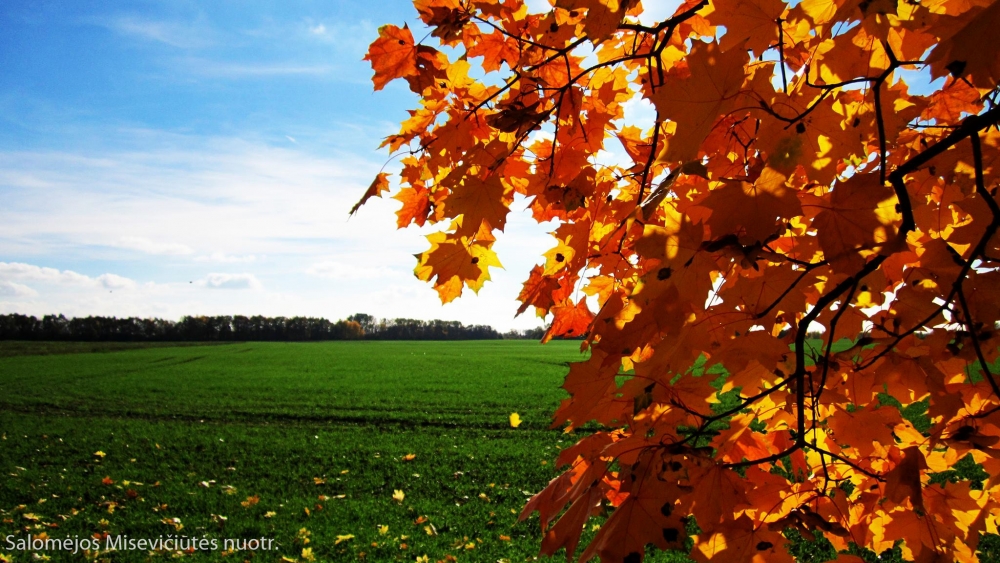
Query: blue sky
x=165, y=158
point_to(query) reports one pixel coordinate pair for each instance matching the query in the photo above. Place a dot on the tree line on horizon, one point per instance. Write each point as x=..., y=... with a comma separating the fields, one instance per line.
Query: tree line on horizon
x=237, y=328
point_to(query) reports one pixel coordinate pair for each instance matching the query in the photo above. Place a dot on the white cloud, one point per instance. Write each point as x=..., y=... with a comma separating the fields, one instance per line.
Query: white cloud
x=231, y=281
x=114, y=281
x=246, y=200
x=29, y=272
x=349, y=38
x=345, y=271
x=11, y=289
x=538, y=6
x=149, y=247
x=639, y=112
x=224, y=258
x=655, y=12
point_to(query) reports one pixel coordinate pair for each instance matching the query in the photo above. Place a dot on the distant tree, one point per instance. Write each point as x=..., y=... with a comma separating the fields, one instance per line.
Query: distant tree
x=225, y=328
x=367, y=322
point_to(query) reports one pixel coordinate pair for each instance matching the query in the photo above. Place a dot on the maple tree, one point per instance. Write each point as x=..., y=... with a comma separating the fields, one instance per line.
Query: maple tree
x=823, y=166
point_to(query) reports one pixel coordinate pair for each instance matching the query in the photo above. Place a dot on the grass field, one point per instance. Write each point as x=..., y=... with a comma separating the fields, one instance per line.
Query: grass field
x=302, y=443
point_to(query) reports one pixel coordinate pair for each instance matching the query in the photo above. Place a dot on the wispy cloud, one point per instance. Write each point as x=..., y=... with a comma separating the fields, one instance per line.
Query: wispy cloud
x=224, y=69
x=349, y=38
x=157, y=248
x=182, y=35
x=345, y=271
x=222, y=257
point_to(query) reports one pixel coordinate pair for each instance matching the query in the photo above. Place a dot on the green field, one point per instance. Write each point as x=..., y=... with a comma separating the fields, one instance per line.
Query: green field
x=283, y=441
x=302, y=444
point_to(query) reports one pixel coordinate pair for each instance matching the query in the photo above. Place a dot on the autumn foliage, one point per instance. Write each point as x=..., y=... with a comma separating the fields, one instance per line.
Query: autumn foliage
x=818, y=167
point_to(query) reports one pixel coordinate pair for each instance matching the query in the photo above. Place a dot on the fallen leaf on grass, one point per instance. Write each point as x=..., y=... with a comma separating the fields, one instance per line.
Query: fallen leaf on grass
x=174, y=523
x=250, y=501
x=398, y=495
x=409, y=457
x=515, y=420
x=341, y=539
x=99, y=453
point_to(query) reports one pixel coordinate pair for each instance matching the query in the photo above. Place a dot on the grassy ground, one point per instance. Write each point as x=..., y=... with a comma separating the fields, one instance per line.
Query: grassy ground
x=302, y=443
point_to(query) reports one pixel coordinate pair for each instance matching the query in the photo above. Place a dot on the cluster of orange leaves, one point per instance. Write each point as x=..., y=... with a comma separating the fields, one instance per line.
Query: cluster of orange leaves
x=823, y=166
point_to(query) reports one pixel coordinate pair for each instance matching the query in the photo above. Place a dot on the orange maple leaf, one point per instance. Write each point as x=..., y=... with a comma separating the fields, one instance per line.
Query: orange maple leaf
x=379, y=184
x=393, y=55
x=795, y=175
x=696, y=101
x=569, y=320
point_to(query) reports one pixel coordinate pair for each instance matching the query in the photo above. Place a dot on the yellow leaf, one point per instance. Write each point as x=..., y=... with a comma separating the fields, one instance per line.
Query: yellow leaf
x=383, y=530
x=307, y=553
x=99, y=453
x=409, y=457
x=398, y=495
x=515, y=420
x=343, y=538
